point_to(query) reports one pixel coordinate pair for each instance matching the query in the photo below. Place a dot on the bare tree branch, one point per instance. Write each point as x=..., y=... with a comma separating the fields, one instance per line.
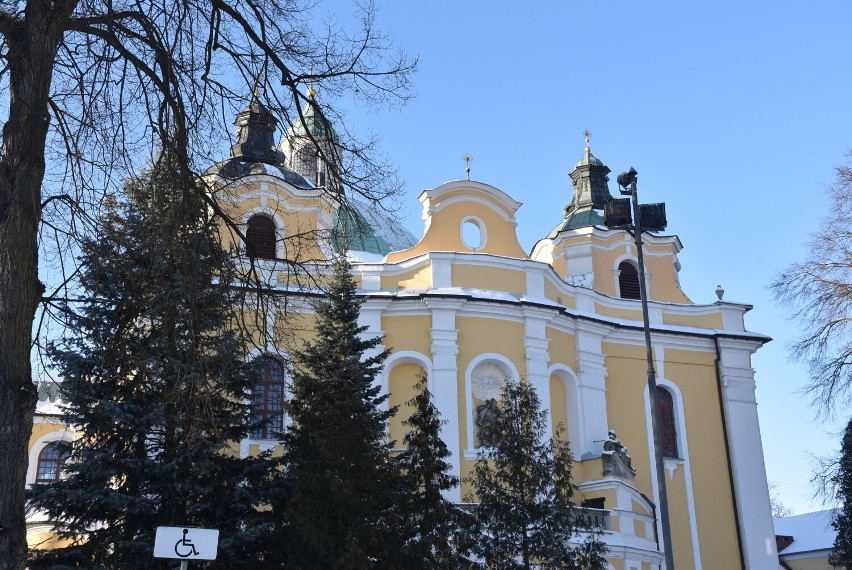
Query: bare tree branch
x=818, y=291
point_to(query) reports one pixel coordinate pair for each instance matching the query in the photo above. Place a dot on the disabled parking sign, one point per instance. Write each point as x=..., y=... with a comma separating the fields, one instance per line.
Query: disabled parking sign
x=186, y=543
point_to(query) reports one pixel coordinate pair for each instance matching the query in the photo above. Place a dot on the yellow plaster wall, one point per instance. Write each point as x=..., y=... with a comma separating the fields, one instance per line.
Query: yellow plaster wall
x=626, y=381
x=444, y=233
x=43, y=426
x=299, y=218
x=562, y=348
x=589, y=470
x=45, y=541
x=817, y=562
x=291, y=330
x=493, y=278
x=694, y=374
x=617, y=313
x=401, y=389
x=555, y=294
x=408, y=333
x=663, y=285
x=559, y=406
x=559, y=265
x=482, y=335
x=479, y=336
x=708, y=321
x=417, y=278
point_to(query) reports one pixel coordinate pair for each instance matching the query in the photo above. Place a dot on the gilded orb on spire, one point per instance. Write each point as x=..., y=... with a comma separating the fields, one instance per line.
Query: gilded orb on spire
x=467, y=158
x=588, y=135
x=256, y=87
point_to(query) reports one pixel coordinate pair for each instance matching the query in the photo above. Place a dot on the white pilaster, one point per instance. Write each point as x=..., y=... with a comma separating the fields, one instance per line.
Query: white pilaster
x=591, y=391
x=746, y=450
x=538, y=358
x=371, y=318
x=443, y=382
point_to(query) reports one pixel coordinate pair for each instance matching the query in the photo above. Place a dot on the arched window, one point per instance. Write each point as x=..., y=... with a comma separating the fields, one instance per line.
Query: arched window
x=668, y=431
x=260, y=237
x=267, y=402
x=50, y=461
x=628, y=280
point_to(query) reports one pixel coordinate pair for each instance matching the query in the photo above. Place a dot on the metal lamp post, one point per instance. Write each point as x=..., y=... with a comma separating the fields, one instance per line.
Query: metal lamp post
x=617, y=211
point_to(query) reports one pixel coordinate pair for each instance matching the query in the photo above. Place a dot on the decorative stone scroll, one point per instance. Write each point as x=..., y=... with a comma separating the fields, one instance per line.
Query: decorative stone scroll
x=616, y=460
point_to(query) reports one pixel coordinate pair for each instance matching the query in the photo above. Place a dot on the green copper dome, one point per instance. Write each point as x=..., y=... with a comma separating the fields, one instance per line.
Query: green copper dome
x=580, y=219
x=589, y=159
x=313, y=123
x=353, y=232
x=364, y=227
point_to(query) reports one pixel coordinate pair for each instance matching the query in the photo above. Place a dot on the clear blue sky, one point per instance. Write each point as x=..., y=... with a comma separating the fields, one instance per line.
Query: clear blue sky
x=734, y=113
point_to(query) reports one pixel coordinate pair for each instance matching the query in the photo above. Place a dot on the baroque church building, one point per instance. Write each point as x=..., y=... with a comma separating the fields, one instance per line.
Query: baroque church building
x=467, y=306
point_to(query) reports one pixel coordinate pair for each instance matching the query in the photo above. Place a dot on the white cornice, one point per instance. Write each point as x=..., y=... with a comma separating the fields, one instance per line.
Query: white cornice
x=494, y=193
x=732, y=312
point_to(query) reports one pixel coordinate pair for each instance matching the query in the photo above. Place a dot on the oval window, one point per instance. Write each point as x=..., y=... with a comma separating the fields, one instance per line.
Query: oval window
x=471, y=234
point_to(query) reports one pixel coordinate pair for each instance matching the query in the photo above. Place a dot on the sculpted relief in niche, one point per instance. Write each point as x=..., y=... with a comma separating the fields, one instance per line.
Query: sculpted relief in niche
x=487, y=382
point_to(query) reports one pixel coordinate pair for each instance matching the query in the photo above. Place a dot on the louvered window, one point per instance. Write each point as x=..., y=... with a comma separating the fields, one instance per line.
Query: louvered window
x=665, y=404
x=260, y=237
x=628, y=280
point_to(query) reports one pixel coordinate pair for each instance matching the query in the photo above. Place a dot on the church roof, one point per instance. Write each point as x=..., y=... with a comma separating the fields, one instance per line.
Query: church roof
x=366, y=228
x=591, y=191
x=358, y=226
x=255, y=151
x=585, y=218
x=589, y=159
x=312, y=123
x=811, y=532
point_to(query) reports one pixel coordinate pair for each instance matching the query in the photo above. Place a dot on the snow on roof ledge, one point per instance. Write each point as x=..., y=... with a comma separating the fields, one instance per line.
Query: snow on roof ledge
x=810, y=531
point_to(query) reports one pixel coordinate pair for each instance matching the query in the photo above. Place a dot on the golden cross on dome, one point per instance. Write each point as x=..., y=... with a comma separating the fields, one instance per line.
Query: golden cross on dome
x=311, y=91
x=588, y=135
x=257, y=86
x=467, y=158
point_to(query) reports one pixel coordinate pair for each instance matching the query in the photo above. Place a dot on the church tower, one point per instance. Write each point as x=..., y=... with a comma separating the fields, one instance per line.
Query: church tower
x=313, y=148
x=586, y=253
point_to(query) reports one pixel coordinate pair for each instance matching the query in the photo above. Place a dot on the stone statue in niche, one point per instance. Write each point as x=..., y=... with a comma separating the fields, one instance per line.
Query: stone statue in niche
x=486, y=423
x=616, y=460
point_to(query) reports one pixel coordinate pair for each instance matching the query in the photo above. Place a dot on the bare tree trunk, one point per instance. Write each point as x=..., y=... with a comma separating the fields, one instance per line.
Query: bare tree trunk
x=32, y=44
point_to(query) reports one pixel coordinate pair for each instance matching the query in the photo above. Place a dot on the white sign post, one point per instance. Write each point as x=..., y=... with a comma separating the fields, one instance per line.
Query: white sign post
x=186, y=543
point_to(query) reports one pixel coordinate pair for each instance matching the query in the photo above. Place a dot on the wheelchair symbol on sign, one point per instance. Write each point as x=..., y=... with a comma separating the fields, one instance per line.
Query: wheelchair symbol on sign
x=184, y=547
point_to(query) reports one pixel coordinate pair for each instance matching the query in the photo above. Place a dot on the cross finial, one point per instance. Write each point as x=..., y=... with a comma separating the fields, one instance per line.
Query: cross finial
x=311, y=91
x=467, y=158
x=588, y=135
x=257, y=86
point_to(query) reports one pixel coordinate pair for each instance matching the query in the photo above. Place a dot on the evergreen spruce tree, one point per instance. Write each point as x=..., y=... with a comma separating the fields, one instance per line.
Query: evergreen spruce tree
x=842, y=553
x=339, y=481
x=525, y=515
x=155, y=382
x=429, y=523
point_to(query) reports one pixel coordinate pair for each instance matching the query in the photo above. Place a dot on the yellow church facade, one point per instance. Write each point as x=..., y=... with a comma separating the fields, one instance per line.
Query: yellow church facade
x=465, y=305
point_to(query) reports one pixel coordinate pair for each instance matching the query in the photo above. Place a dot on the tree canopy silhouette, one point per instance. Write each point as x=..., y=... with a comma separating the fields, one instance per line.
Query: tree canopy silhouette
x=92, y=87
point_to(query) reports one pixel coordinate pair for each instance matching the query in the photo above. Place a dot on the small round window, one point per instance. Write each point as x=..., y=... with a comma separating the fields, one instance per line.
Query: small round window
x=473, y=233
